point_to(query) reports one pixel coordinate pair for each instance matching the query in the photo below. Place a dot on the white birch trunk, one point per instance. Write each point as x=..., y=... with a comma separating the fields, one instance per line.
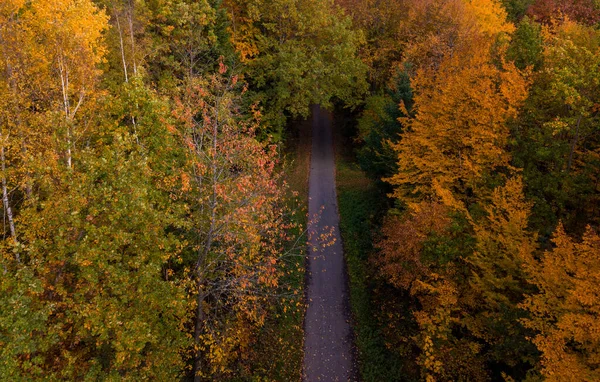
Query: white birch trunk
x=6, y=201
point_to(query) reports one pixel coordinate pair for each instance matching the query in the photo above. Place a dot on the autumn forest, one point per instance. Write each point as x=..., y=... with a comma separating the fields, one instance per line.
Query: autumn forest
x=155, y=159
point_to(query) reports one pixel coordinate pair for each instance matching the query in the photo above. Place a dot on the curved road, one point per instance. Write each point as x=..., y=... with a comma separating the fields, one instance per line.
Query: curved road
x=327, y=333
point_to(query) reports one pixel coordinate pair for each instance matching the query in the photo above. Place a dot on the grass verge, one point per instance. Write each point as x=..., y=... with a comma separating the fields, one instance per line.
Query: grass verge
x=360, y=205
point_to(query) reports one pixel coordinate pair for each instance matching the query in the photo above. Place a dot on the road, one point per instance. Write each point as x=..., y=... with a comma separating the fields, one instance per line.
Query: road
x=328, y=354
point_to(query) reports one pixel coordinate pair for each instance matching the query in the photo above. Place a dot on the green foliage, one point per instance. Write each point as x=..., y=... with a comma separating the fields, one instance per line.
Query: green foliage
x=556, y=138
x=98, y=246
x=22, y=315
x=379, y=128
x=441, y=249
x=526, y=47
x=359, y=203
x=167, y=40
x=516, y=9
x=298, y=53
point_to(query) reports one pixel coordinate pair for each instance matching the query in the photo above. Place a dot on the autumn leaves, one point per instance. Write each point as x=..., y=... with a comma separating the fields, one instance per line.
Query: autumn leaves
x=235, y=205
x=148, y=229
x=493, y=120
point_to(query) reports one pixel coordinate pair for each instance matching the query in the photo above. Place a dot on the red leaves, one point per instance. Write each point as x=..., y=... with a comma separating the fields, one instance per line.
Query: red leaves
x=403, y=242
x=223, y=68
x=584, y=11
x=238, y=215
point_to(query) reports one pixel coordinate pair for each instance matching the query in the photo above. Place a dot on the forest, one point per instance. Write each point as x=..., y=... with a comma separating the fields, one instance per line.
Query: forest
x=154, y=170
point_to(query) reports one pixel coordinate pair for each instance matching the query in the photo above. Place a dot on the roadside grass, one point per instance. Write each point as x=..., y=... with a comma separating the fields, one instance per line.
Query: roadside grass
x=278, y=350
x=361, y=205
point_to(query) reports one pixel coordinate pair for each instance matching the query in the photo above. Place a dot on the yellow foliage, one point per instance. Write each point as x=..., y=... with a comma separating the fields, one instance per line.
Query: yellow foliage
x=459, y=132
x=436, y=29
x=464, y=95
x=565, y=311
x=438, y=296
x=72, y=36
x=504, y=245
x=9, y=7
x=490, y=15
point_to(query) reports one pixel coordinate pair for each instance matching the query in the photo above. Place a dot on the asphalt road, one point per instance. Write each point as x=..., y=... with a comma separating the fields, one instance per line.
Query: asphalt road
x=328, y=354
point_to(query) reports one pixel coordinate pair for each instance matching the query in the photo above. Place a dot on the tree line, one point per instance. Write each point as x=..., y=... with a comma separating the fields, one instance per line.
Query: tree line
x=482, y=126
x=147, y=229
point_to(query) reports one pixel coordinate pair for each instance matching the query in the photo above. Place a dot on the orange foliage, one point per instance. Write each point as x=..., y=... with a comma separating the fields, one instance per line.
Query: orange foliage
x=400, y=261
x=566, y=309
x=459, y=133
x=434, y=29
x=237, y=210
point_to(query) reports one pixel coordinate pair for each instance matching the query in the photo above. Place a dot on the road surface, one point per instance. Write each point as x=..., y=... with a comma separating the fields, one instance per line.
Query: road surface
x=328, y=354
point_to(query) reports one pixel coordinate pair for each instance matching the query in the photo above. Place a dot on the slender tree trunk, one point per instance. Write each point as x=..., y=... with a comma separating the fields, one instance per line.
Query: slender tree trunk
x=17, y=110
x=122, y=47
x=64, y=81
x=200, y=315
x=6, y=202
x=69, y=153
x=200, y=319
x=131, y=37
x=134, y=63
x=124, y=60
x=573, y=145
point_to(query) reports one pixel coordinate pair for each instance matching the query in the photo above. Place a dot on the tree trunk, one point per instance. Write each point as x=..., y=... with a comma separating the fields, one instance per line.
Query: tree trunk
x=64, y=81
x=6, y=202
x=573, y=145
x=200, y=318
x=131, y=37
x=122, y=47
x=17, y=117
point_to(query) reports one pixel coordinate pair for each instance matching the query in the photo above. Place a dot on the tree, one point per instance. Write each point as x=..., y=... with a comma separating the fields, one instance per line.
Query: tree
x=94, y=270
x=526, y=47
x=47, y=60
x=297, y=53
x=383, y=24
x=564, y=312
x=499, y=282
x=556, y=137
x=457, y=139
x=166, y=41
x=503, y=246
x=584, y=11
x=11, y=104
x=87, y=294
x=420, y=256
x=464, y=278
x=402, y=247
x=70, y=33
x=237, y=227
x=379, y=128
